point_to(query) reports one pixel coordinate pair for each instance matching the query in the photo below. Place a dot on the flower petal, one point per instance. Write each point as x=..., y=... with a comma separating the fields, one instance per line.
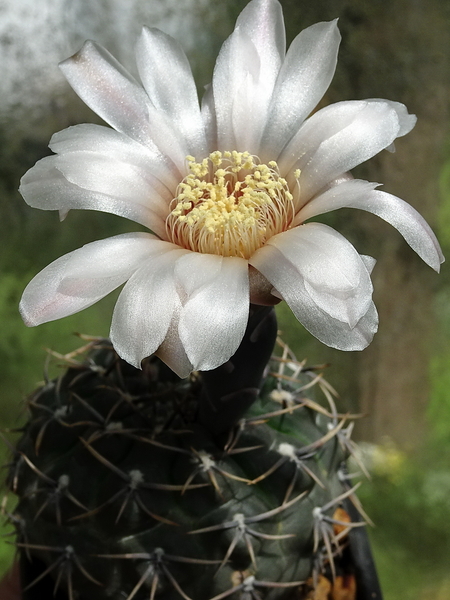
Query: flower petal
x=44, y=186
x=290, y=286
x=338, y=196
x=361, y=194
x=409, y=223
x=111, y=143
x=167, y=78
x=327, y=260
x=145, y=308
x=304, y=77
x=106, y=87
x=336, y=139
x=334, y=276
x=172, y=351
x=82, y=277
x=94, y=172
x=262, y=21
x=209, y=117
x=215, y=314
x=369, y=262
x=406, y=120
x=245, y=75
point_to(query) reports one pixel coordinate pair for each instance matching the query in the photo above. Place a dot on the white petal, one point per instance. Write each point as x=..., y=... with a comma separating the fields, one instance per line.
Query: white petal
x=334, y=275
x=195, y=271
x=44, y=186
x=290, y=286
x=171, y=350
x=336, y=139
x=245, y=75
x=262, y=21
x=108, y=142
x=80, y=278
x=145, y=308
x=406, y=120
x=326, y=259
x=369, y=262
x=209, y=117
x=103, y=174
x=397, y=212
x=106, y=87
x=337, y=196
x=233, y=83
x=306, y=73
x=215, y=314
x=113, y=259
x=409, y=223
x=167, y=78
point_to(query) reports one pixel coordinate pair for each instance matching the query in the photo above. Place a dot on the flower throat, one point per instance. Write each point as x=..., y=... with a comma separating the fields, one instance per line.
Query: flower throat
x=229, y=204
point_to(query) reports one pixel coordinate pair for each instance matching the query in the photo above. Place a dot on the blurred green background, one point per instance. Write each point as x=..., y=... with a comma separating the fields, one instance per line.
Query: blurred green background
x=396, y=49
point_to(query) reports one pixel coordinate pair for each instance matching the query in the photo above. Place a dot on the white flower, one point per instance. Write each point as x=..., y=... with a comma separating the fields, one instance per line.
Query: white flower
x=220, y=187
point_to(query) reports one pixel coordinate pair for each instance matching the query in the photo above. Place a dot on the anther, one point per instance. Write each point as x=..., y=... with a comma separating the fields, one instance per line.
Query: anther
x=229, y=204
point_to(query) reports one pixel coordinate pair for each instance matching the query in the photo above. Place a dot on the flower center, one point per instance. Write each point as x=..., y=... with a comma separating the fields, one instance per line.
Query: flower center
x=229, y=204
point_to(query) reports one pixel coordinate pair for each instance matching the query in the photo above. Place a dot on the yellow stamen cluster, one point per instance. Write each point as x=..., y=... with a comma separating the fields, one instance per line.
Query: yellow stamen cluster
x=229, y=205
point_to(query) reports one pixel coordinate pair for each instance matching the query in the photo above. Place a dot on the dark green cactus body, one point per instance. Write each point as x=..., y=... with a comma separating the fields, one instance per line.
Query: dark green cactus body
x=125, y=493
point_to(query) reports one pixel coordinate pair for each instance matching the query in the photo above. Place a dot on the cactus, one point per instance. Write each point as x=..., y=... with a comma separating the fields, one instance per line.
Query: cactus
x=135, y=484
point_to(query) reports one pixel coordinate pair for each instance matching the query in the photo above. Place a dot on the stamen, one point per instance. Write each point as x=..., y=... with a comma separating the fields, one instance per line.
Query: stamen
x=230, y=205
